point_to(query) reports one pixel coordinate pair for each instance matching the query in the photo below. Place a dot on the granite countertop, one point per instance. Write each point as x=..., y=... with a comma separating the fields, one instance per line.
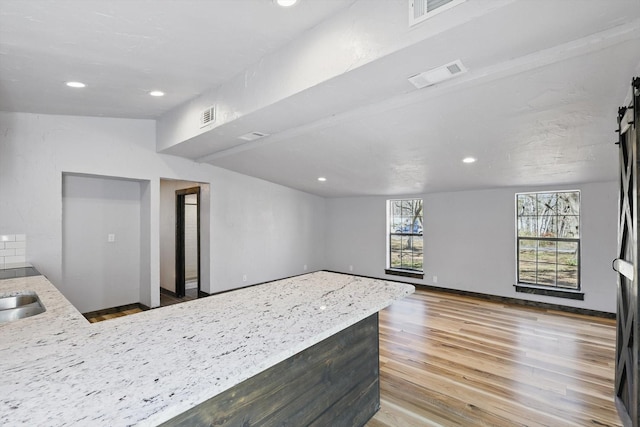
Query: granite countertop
x=146, y=368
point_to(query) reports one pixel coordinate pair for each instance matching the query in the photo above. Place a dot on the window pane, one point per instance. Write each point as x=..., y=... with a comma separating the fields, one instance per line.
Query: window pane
x=567, y=276
x=418, y=242
x=526, y=204
x=569, y=203
x=395, y=218
x=417, y=261
x=403, y=259
x=396, y=208
x=546, y=274
x=417, y=225
x=395, y=261
x=568, y=253
x=546, y=203
x=528, y=250
x=547, y=252
x=407, y=259
x=417, y=252
x=569, y=226
x=527, y=272
x=407, y=208
x=547, y=226
x=396, y=243
x=527, y=226
x=412, y=252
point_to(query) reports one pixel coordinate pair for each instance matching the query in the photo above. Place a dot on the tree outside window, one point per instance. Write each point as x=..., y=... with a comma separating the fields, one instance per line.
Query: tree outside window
x=405, y=234
x=549, y=239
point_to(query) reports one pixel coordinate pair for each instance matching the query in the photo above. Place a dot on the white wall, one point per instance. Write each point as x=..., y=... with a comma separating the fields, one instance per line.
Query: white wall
x=258, y=229
x=262, y=232
x=470, y=241
x=265, y=231
x=148, y=248
x=97, y=273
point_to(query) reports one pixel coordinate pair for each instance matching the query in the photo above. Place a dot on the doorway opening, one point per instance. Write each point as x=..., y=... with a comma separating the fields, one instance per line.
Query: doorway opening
x=185, y=255
x=188, y=242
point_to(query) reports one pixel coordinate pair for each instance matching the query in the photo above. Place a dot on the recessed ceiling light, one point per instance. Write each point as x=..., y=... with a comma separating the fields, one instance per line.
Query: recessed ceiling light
x=322, y=179
x=286, y=3
x=156, y=93
x=469, y=160
x=76, y=84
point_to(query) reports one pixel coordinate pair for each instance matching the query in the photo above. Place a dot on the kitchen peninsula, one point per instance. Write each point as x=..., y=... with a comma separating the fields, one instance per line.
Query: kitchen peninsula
x=179, y=363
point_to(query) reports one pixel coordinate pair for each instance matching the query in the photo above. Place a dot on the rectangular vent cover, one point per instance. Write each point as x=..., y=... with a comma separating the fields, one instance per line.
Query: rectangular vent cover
x=252, y=136
x=439, y=74
x=419, y=10
x=208, y=116
x=454, y=68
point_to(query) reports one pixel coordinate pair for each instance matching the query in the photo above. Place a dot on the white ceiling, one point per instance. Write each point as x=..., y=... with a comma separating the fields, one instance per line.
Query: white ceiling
x=122, y=49
x=537, y=107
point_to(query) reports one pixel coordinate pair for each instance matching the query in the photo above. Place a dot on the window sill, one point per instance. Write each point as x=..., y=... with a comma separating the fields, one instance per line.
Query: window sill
x=405, y=273
x=552, y=292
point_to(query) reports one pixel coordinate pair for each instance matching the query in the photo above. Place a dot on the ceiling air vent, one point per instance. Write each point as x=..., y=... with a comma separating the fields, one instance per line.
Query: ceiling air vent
x=208, y=116
x=439, y=74
x=252, y=136
x=419, y=10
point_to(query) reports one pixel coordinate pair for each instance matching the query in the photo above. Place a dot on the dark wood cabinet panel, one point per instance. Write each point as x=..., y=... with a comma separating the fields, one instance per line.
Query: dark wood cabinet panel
x=334, y=382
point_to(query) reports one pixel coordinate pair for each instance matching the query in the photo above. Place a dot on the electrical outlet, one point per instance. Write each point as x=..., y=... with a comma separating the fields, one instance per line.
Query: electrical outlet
x=351, y=268
x=305, y=267
x=435, y=279
x=244, y=277
x=111, y=238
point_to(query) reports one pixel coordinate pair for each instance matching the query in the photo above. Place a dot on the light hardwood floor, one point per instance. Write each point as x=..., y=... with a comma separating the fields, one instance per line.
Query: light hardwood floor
x=448, y=360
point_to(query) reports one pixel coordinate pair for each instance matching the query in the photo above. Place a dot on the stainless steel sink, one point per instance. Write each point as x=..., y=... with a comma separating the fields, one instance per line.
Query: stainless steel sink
x=20, y=306
x=16, y=301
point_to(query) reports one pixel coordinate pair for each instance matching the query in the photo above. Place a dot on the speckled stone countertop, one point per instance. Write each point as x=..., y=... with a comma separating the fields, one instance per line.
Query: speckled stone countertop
x=60, y=370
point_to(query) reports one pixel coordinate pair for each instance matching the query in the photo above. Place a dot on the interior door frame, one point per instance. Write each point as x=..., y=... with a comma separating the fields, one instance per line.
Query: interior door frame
x=180, y=241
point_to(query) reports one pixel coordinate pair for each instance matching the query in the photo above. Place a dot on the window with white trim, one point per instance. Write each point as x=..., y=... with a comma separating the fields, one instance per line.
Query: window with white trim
x=405, y=240
x=548, y=239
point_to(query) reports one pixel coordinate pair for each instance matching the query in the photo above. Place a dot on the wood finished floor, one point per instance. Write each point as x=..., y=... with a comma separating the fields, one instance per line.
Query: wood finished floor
x=112, y=313
x=125, y=310
x=448, y=360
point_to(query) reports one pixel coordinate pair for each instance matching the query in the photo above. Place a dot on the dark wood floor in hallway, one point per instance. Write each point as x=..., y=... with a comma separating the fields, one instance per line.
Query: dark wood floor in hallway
x=449, y=360
x=126, y=310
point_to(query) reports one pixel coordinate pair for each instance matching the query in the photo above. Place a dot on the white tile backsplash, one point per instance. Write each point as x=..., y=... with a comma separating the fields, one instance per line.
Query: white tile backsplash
x=14, y=260
x=13, y=250
x=15, y=245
